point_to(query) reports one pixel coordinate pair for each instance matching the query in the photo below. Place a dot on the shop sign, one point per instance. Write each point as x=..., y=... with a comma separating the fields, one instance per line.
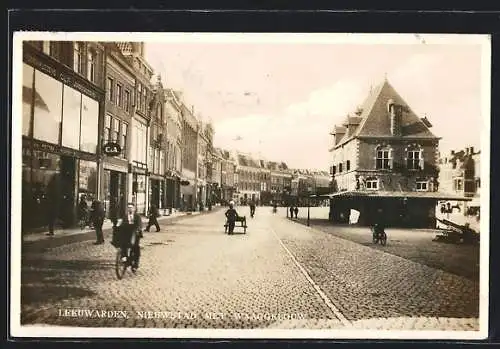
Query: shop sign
x=111, y=149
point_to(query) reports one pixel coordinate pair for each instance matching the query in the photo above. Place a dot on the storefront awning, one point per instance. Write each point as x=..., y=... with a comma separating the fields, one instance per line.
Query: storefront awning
x=394, y=194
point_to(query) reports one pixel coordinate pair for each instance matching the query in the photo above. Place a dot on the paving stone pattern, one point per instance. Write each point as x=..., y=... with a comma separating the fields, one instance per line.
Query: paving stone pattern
x=366, y=283
x=191, y=272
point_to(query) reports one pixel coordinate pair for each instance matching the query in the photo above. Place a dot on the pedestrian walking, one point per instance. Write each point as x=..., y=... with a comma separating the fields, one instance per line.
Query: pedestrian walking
x=153, y=218
x=97, y=215
x=296, y=211
x=291, y=212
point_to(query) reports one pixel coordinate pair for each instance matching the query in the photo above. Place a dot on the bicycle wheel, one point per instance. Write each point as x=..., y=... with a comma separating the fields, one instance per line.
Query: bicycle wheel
x=120, y=267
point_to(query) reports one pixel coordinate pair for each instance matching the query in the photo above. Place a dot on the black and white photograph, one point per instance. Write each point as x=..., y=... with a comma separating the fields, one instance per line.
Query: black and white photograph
x=243, y=185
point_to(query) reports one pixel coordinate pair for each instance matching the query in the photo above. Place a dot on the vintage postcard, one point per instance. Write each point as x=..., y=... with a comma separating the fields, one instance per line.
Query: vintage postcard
x=247, y=185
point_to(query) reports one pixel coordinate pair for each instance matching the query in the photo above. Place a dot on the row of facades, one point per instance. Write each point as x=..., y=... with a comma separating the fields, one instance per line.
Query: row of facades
x=79, y=97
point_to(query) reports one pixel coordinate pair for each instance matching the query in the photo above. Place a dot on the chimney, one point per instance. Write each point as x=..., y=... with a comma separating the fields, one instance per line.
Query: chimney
x=395, y=113
x=136, y=47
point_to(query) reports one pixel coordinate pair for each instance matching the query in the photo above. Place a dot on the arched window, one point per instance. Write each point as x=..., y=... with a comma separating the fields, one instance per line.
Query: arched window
x=414, y=157
x=383, y=157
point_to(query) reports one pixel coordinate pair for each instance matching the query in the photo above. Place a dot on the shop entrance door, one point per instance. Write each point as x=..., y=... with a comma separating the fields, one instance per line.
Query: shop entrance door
x=155, y=191
x=67, y=212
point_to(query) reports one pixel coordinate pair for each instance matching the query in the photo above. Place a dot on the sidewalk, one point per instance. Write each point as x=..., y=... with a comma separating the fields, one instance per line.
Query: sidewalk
x=61, y=237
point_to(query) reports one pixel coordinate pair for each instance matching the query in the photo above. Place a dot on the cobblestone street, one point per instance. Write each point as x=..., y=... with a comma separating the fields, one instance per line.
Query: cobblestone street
x=278, y=275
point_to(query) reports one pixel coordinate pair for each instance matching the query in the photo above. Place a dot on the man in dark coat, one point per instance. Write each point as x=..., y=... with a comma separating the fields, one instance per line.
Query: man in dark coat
x=231, y=216
x=153, y=218
x=97, y=215
x=130, y=234
x=296, y=211
x=291, y=212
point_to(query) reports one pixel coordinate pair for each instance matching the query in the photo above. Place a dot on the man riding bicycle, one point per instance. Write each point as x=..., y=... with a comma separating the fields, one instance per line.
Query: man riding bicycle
x=129, y=230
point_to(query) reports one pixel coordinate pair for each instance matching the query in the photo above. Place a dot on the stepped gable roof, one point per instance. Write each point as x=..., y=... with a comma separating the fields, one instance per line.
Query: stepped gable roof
x=375, y=120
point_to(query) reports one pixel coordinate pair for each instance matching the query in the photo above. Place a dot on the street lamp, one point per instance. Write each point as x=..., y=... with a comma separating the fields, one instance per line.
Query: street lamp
x=308, y=205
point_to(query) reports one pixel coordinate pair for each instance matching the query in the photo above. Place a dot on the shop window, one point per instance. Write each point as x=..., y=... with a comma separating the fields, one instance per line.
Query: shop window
x=28, y=73
x=47, y=108
x=89, y=125
x=71, y=118
x=87, y=179
x=340, y=168
x=348, y=165
x=372, y=184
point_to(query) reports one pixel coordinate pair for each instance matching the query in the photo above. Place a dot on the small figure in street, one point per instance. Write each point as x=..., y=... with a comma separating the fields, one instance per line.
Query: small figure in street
x=296, y=211
x=291, y=212
x=83, y=209
x=130, y=234
x=113, y=211
x=53, y=202
x=153, y=215
x=97, y=215
x=231, y=216
x=252, y=209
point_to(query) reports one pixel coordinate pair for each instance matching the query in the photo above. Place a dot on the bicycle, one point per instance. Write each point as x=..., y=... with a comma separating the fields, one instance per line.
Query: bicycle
x=120, y=265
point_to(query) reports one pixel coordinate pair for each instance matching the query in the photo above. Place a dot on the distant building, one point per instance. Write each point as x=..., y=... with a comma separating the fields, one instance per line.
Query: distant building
x=460, y=175
x=249, y=181
x=174, y=143
x=384, y=164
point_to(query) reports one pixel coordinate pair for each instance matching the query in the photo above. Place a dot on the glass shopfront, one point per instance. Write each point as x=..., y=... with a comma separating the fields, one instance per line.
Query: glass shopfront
x=47, y=108
x=58, y=124
x=87, y=180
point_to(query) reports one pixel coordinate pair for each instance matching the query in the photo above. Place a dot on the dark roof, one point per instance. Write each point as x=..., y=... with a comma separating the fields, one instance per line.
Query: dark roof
x=375, y=120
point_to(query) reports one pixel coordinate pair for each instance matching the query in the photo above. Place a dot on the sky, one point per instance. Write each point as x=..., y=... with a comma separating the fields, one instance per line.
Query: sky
x=281, y=99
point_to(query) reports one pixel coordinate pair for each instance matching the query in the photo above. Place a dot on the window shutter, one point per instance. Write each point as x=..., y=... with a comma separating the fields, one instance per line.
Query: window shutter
x=391, y=161
x=421, y=159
